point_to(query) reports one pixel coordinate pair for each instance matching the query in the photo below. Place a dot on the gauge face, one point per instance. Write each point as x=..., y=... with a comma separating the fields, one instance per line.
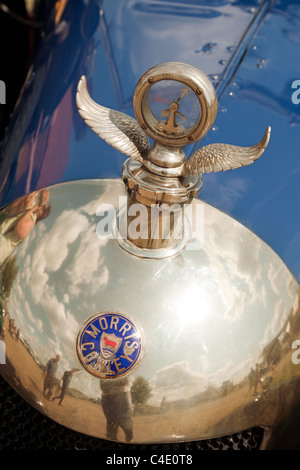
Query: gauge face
x=175, y=107
x=175, y=104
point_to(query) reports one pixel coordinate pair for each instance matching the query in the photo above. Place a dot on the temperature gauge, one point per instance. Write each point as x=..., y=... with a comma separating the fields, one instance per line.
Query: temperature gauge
x=175, y=104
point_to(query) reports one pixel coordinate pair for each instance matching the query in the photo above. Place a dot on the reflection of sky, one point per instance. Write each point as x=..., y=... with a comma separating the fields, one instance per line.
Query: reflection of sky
x=54, y=265
x=208, y=313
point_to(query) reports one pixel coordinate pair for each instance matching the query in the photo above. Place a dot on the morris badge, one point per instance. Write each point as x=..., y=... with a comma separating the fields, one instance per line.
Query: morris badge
x=109, y=345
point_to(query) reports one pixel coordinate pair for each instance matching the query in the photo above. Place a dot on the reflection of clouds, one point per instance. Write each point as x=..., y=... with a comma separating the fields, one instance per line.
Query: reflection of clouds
x=237, y=264
x=285, y=289
x=247, y=272
x=64, y=231
x=18, y=291
x=278, y=320
x=53, y=249
x=235, y=296
x=113, y=197
x=40, y=229
x=57, y=262
x=233, y=371
x=35, y=321
x=295, y=308
x=275, y=277
x=49, y=255
x=87, y=266
x=176, y=374
x=63, y=323
x=282, y=311
x=177, y=381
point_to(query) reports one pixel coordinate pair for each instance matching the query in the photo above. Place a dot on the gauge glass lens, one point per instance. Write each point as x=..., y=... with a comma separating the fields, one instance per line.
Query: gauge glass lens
x=175, y=107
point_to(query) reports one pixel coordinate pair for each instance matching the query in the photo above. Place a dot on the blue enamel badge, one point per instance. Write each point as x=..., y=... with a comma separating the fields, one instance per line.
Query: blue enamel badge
x=109, y=345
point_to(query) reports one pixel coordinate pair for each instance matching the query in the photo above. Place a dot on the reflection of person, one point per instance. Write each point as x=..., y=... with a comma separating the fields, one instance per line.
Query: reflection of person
x=66, y=379
x=256, y=379
x=50, y=379
x=117, y=407
x=11, y=326
x=19, y=219
x=1, y=326
x=163, y=405
x=251, y=379
x=17, y=334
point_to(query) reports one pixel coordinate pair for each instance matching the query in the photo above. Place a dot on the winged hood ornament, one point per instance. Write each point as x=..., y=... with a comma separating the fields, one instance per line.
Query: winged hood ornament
x=175, y=104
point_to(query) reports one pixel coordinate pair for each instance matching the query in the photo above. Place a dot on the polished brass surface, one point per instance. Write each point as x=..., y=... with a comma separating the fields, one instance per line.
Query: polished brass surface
x=218, y=319
x=222, y=157
x=160, y=203
x=164, y=157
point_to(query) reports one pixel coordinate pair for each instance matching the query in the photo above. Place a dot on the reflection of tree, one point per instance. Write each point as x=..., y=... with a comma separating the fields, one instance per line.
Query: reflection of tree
x=140, y=391
x=226, y=388
x=9, y=274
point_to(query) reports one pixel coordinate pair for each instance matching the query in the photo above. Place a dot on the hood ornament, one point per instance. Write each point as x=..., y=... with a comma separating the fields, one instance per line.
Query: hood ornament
x=175, y=104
